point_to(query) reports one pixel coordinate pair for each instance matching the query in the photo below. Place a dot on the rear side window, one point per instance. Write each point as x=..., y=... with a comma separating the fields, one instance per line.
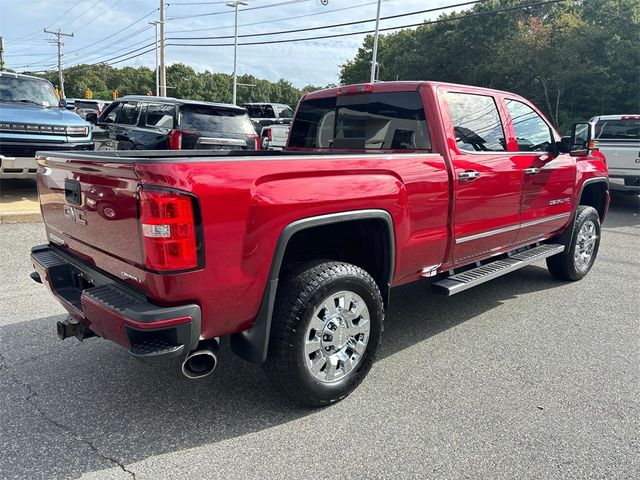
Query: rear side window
x=284, y=112
x=161, y=116
x=83, y=104
x=372, y=121
x=532, y=132
x=260, y=111
x=476, y=122
x=204, y=118
x=627, y=129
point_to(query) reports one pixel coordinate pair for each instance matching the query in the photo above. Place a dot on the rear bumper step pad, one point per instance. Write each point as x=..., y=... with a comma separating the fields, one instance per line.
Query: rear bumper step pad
x=113, y=311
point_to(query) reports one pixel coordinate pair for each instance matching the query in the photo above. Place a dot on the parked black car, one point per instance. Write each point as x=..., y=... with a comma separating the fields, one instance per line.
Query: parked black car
x=160, y=123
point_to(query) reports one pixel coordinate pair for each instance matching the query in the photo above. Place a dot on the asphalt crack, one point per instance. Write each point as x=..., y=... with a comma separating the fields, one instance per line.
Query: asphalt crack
x=31, y=399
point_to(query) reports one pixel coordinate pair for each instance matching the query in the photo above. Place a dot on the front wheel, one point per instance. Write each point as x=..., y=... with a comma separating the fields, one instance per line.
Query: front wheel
x=326, y=331
x=579, y=256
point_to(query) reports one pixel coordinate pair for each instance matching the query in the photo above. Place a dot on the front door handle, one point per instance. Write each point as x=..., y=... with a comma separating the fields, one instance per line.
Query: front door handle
x=531, y=171
x=468, y=175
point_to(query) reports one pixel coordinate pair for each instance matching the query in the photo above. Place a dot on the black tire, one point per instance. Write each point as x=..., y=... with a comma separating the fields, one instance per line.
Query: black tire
x=564, y=265
x=300, y=294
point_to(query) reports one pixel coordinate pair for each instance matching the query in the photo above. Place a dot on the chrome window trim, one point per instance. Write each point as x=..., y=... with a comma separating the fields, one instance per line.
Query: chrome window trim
x=510, y=228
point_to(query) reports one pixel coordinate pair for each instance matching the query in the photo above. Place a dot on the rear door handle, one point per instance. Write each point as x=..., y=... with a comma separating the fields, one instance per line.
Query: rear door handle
x=531, y=171
x=468, y=175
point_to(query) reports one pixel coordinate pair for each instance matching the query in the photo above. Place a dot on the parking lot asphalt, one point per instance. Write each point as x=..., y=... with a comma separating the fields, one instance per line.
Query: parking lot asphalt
x=525, y=377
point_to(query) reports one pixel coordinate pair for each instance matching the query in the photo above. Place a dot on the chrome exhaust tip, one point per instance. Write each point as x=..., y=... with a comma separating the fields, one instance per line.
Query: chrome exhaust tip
x=201, y=361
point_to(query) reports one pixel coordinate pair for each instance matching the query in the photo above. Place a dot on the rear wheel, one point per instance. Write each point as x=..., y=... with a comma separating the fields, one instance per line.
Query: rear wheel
x=326, y=331
x=579, y=256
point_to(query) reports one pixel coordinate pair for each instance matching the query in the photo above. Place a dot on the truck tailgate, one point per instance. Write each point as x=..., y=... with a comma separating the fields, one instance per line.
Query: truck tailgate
x=90, y=209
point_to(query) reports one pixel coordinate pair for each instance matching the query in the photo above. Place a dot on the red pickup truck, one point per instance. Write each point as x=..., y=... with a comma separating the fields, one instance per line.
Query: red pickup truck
x=293, y=254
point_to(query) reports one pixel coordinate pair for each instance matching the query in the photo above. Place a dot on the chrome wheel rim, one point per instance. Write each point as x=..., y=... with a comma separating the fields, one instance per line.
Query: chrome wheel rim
x=337, y=336
x=585, y=245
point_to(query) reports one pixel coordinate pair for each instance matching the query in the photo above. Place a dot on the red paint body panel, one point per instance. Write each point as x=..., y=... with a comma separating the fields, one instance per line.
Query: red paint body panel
x=246, y=202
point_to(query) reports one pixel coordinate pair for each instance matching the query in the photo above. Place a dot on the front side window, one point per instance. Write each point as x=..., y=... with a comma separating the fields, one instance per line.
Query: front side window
x=476, y=122
x=370, y=121
x=532, y=132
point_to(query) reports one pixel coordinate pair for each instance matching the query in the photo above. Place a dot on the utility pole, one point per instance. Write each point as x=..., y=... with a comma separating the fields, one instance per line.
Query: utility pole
x=155, y=24
x=234, y=4
x=374, y=60
x=162, y=81
x=1, y=53
x=59, y=43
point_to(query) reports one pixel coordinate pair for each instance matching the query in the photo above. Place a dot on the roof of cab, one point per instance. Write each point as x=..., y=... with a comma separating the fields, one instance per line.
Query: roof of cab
x=178, y=101
x=403, y=86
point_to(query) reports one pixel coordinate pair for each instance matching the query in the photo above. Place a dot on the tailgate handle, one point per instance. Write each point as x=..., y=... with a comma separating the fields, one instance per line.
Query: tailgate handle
x=72, y=192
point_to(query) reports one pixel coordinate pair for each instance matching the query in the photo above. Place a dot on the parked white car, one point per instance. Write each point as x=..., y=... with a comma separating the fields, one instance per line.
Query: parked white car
x=618, y=138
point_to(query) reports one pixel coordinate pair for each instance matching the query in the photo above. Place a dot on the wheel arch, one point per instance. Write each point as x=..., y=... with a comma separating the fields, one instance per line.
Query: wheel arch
x=253, y=344
x=594, y=192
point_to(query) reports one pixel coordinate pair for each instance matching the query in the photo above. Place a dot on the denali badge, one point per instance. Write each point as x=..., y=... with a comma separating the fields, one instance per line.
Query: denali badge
x=74, y=214
x=559, y=201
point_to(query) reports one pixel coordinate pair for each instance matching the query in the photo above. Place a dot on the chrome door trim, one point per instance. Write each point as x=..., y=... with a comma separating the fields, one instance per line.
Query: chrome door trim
x=510, y=228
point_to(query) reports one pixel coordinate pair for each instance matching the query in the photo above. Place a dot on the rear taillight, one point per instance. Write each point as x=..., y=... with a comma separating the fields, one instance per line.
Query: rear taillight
x=168, y=230
x=257, y=142
x=174, y=138
x=269, y=137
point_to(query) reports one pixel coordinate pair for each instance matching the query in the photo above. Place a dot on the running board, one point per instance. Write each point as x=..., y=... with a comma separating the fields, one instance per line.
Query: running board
x=470, y=278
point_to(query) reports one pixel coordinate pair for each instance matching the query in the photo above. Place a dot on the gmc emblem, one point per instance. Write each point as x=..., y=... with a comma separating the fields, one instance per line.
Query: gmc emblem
x=74, y=214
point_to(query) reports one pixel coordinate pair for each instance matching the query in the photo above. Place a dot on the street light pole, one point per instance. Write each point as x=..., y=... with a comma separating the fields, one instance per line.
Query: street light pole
x=374, y=60
x=155, y=24
x=162, y=81
x=234, y=4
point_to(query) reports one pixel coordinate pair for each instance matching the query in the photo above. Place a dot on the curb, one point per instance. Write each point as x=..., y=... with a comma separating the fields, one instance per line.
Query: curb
x=20, y=216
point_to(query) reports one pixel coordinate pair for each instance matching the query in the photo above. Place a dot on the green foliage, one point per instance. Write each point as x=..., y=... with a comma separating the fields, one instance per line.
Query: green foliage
x=182, y=82
x=573, y=59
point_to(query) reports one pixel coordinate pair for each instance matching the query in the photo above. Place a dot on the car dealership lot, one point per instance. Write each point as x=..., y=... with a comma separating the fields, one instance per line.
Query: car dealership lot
x=522, y=377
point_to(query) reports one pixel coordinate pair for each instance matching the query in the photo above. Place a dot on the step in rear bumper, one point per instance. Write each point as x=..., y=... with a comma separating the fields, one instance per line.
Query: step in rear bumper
x=114, y=311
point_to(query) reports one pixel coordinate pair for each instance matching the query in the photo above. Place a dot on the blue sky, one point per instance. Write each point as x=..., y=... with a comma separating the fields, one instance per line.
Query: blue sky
x=311, y=62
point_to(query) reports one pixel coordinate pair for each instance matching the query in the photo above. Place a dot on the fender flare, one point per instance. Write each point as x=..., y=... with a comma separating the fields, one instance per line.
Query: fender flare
x=253, y=344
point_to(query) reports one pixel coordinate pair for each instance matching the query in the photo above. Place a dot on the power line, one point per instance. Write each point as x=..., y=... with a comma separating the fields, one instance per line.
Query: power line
x=65, y=12
x=116, y=33
x=91, y=7
x=364, y=32
x=442, y=20
x=356, y=22
x=288, y=2
x=322, y=12
x=86, y=24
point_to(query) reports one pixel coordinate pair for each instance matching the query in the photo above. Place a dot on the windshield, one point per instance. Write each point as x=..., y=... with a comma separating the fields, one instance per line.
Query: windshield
x=213, y=119
x=27, y=90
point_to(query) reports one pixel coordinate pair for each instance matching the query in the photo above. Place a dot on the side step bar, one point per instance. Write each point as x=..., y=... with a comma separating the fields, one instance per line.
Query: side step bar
x=470, y=278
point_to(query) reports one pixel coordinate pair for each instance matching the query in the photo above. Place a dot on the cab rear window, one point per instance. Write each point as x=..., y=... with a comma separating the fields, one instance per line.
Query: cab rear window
x=203, y=118
x=370, y=121
x=618, y=129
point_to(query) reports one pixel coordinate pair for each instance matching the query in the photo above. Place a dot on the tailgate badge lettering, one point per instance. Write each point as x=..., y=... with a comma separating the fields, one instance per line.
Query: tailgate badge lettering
x=130, y=277
x=74, y=214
